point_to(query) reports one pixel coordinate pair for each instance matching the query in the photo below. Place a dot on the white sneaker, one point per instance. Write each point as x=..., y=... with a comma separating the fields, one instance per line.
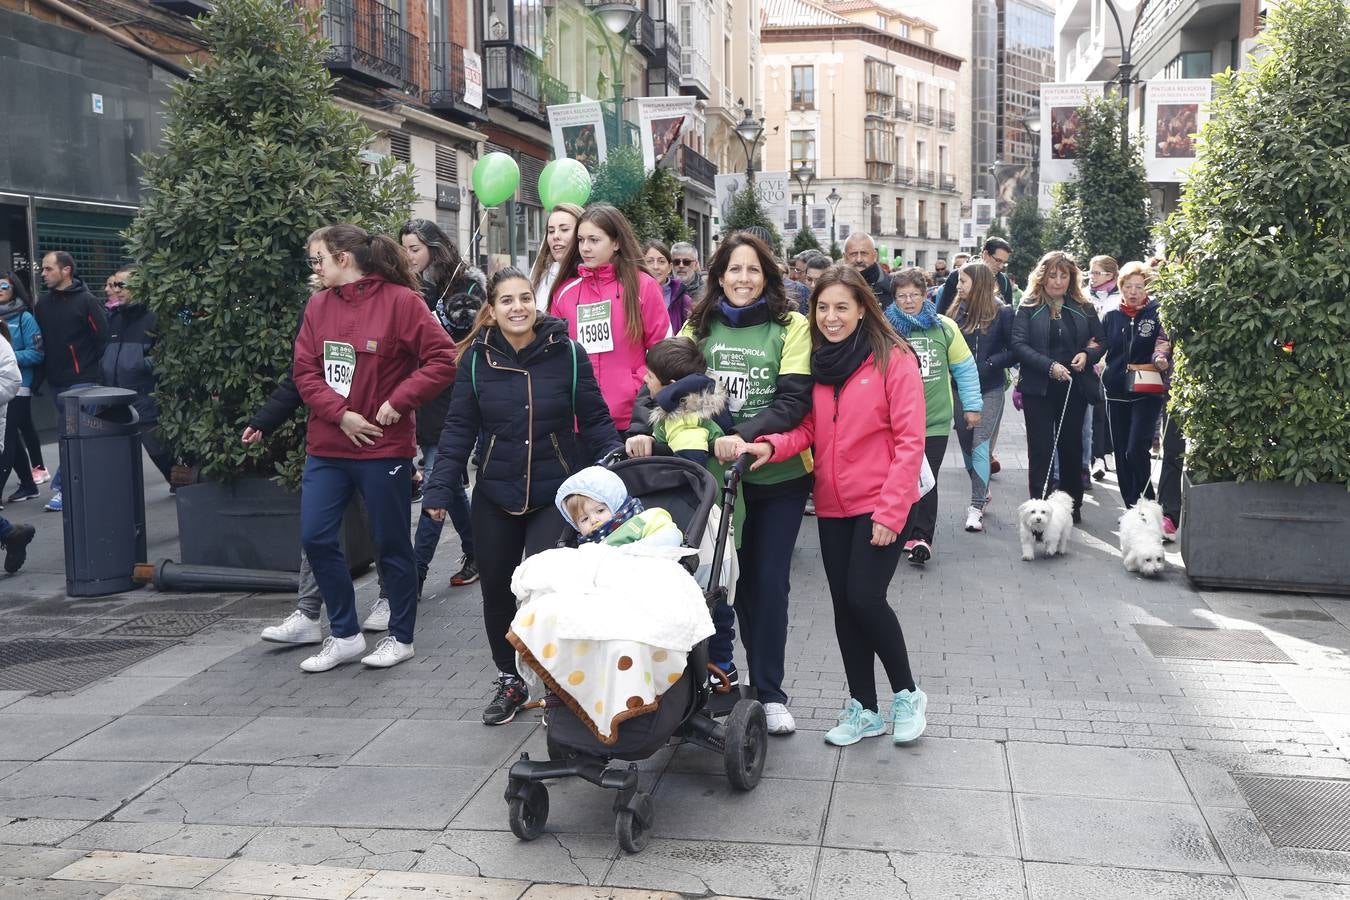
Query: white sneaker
x=780, y=720
x=974, y=519
x=1098, y=468
x=297, y=629
x=335, y=652
x=390, y=651
x=378, y=620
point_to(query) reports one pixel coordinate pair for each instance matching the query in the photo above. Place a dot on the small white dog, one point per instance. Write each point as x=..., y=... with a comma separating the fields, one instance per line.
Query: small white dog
x=1141, y=539
x=1048, y=523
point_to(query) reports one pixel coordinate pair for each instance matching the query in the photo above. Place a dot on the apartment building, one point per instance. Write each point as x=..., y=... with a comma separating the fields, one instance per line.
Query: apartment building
x=862, y=96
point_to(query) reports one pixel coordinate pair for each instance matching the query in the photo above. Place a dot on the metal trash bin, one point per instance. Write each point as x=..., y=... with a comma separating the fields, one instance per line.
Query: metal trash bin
x=102, y=490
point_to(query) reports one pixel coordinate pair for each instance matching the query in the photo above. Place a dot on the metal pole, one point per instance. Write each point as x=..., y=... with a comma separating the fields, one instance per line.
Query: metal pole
x=1123, y=75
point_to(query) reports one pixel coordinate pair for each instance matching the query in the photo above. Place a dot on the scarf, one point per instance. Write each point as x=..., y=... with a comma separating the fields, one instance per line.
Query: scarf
x=1105, y=288
x=631, y=507
x=904, y=323
x=737, y=316
x=14, y=306
x=834, y=363
x=1131, y=311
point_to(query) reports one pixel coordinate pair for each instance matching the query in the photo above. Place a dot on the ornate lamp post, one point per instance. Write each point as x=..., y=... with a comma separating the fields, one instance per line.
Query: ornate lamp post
x=833, y=199
x=804, y=176
x=750, y=131
x=616, y=18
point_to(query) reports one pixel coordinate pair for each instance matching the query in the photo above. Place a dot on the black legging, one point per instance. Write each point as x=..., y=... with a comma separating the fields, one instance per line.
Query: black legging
x=922, y=522
x=864, y=623
x=14, y=457
x=501, y=541
x=1042, y=415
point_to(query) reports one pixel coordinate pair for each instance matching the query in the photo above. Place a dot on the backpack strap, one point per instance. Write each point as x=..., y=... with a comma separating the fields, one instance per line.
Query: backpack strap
x=473, y=372
x=573, y=345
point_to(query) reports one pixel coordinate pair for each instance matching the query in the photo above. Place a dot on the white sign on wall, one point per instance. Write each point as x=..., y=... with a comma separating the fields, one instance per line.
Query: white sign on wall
x=771, y=187
x=473, y=79
x=1061, y=129
x=662, y=121
x=578, y=131
x=1173, y=114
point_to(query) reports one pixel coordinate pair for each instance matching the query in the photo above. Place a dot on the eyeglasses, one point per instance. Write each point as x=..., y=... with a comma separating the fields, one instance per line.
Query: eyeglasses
x=909, y=296
x=316, y=261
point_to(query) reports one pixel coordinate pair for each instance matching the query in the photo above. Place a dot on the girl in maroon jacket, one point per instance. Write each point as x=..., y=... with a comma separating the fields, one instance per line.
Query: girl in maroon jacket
x=368, y=354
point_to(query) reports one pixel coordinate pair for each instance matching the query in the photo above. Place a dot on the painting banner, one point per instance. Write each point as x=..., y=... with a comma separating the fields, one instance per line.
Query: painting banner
x=661, y=122
x=1060, y=126
x=579, y=133
x=1173, y=114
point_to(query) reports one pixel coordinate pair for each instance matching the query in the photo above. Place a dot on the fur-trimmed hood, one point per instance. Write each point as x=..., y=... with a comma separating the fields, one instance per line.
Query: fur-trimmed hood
x=696, y=395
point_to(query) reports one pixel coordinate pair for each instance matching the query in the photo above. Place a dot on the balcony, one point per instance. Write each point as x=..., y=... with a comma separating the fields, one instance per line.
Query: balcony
x=695, y=73
x=553, y=92
x=947, y=119
x=643, y=30
x=446, y=84
x=926, y=178
x=697, y=167
x=879, y=105
x=925, y=114
x=669, y=37
x=923, y=229
x=414, y=66
x=904, y=174
x=900, y=227
x=366, y=41
x=904, y=109
x=945, y=232
x=948, y=182
x=511, y=79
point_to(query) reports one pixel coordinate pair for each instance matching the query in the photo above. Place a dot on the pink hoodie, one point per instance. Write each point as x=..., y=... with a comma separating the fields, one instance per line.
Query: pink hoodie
x=620, y=364
x=867, y=441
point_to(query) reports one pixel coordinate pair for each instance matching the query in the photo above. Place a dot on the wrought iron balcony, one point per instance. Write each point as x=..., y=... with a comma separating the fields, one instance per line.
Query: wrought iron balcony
x=414, y=66
x=900, y=227
x=947, y=119
x=643, y=30
x=695, y=73
x=925, y=114
x=511, y=78
x=446, y=84
x=697, y=167
x=904, y=175
x=668, y=34
x=945, y=232
x=926, y=178
x=923, y=229
x=366, y=42
x=553, y=92
x=904, y=109
x=948, y=182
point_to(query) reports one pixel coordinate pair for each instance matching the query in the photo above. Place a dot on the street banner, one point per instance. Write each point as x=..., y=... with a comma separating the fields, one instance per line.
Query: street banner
x=473, y=79
x=579, y=133
x=983, y=212
x=1173, y=114
x=661, y=122
x=771, y=187
x=1061, y=128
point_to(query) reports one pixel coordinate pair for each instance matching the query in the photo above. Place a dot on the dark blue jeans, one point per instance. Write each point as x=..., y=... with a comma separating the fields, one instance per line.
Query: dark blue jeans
x=56, y=401
x=429, y=530
x=386, y=486
x=1132, y=422
x=773, y=515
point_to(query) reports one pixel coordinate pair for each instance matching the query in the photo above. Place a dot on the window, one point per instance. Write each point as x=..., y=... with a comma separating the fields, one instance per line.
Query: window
x=921, y=258
x=1196, y=64
x=803, y=148
x=900, y=215
x=880, y=143
x=520, y=21
x=943, y=167
x=904, y=29
x=879, y=77
x=921, y=156
x=803, y=87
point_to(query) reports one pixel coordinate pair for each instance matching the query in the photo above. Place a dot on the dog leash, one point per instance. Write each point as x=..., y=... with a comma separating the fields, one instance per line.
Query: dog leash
x=1045, y=488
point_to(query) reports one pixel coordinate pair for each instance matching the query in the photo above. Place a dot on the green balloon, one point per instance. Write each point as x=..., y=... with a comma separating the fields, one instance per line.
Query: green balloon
x=495, y=178
x=564, y=181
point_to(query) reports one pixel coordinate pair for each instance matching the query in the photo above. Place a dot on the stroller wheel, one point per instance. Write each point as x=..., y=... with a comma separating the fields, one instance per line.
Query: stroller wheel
x=746, y=742
x=529, y=813
x=633, y=825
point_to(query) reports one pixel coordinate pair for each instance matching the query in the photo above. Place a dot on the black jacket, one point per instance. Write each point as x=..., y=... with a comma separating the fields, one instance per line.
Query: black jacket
x=992, y=348
x=519, y=407
x=948, y=295
x=132, y=333
x=1031, y=344
x=74, y=330
x=1129, y=340
x=279, y=408
x=880, y=282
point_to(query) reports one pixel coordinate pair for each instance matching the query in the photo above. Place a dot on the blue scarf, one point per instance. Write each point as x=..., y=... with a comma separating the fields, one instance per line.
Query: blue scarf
x=734, y=314
x=631, y=507
x=906, y=324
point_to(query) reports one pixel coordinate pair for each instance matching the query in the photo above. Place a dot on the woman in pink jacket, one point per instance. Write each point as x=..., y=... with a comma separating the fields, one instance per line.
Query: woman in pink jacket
x=613, y=308
x=866, y=432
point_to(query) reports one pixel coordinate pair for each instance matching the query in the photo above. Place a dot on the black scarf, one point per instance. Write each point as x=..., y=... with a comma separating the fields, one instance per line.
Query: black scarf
x=834, y=363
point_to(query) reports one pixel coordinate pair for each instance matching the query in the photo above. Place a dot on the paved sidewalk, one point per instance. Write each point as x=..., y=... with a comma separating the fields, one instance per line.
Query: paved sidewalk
x=1063, y=758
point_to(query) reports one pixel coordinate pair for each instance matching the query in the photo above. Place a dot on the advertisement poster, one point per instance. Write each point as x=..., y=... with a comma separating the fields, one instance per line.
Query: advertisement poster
x=661, y=122
x=772, y=188
x=983, y=211
x=579, y=133
x=473, y=79
x=1173, y=114
x=1060, y=126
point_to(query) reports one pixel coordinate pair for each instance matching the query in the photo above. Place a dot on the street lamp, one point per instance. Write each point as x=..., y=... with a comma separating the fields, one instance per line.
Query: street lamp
x=1124, y=75
x=804, y=176
x=749, y=130
x=833, y=199
x=616, y=17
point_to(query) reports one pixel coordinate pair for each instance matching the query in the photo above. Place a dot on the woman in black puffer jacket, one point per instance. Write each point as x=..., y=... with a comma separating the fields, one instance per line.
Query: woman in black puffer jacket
x=520, y=386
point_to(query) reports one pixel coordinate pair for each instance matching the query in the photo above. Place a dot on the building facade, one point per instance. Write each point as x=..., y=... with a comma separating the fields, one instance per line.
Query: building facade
x=895, y=152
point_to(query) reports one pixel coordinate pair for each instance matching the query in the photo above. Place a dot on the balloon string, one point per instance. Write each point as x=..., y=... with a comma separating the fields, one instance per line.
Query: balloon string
x=473, y=238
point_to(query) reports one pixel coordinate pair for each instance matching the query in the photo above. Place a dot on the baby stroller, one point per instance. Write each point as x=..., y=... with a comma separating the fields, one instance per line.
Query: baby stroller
x=689, y=711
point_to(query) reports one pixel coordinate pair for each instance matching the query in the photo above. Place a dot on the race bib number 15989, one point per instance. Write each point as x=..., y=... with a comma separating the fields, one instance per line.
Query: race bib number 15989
x=594, y=331
x=339, y=366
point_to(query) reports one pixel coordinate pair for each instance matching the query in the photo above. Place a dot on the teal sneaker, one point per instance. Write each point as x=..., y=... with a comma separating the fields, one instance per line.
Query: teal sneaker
x=855, y=723
x=907, y=712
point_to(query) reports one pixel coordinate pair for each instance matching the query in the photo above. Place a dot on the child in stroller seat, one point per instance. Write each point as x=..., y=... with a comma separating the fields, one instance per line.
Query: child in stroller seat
x=595, y=502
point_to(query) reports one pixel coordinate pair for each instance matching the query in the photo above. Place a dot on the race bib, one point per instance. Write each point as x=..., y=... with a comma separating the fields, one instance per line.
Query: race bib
x=339, y=366
x=923, y=350
x=737, y=386
x=595, y=334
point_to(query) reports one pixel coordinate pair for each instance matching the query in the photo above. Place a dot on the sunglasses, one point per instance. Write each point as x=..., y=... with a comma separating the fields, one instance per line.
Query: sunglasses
x=118, y=284
x=5, y=285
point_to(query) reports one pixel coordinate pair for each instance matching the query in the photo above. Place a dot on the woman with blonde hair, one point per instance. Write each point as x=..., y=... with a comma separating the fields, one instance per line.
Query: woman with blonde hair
x=1056, y=339
x=986, y=324
x=560, y=236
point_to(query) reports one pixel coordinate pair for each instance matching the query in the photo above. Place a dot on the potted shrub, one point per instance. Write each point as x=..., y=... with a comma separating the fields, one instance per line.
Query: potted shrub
x=255, y=156
x=1257, y=298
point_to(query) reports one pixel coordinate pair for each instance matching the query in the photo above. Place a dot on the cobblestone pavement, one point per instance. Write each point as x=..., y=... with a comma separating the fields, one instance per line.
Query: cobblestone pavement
x=1062, y=759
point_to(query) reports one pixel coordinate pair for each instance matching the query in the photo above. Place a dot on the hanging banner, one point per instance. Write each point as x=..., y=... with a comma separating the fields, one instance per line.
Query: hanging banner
x=771, y=187
x=473, y=79
x=1173, y=114
x=579, y=133
x=983, y=212
x=967, y=235
x=661, y=122
x=1060, y=126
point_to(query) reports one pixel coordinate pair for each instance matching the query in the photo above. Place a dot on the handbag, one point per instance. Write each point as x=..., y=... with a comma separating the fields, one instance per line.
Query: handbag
x=1143, y=378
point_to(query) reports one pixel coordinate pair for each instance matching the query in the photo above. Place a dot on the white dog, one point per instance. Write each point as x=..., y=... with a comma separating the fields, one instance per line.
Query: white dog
x=1141, y=538
x=1046, y=522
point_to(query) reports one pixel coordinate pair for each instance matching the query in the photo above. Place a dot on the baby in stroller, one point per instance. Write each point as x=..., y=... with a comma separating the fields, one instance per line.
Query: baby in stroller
x=596, y=503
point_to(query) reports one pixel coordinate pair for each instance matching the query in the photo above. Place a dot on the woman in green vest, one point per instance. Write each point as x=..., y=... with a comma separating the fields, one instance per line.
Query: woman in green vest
x=761, y=353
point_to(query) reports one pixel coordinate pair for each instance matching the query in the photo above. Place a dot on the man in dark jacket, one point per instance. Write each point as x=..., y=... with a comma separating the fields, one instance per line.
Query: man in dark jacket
x=74, y=330
x=132, y=332
x=995, y=255
x=861, y=253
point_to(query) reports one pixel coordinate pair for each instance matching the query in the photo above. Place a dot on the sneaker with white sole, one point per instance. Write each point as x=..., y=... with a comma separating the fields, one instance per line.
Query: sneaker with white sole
x=1169, y=530
x=974, y=519
x=298, y=628
x=855, y=723
x=390, y=651
x=779, y=719
x=378, y=620
x=907, y=711
x=40, y=475
x=335, y=652
x=54, y=504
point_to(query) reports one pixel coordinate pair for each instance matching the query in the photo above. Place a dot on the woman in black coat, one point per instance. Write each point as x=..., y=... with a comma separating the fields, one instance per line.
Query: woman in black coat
x=520, y=385
x=1056, y=339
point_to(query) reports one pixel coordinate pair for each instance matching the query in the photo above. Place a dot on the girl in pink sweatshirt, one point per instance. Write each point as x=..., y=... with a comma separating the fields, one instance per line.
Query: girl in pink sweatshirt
x=612, y=307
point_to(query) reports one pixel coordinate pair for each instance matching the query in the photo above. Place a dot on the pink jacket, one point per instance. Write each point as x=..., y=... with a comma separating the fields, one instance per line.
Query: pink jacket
x=867, y=438
x=620, y=370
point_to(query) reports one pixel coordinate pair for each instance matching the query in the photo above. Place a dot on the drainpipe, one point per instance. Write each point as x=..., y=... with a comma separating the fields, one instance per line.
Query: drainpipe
x=131, y=44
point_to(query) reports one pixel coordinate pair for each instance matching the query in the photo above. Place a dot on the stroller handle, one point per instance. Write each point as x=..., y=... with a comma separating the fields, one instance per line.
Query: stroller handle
x=729, y=490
